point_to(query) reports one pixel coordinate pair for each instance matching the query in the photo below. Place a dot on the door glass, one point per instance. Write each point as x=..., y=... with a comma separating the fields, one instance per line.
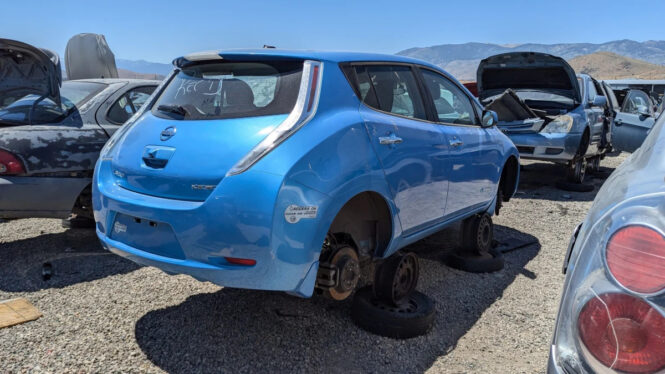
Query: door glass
x=637, y=102
x=121, y=110
x=139, y=96
x=128, y=104
x=450, y=102
x=391, y=89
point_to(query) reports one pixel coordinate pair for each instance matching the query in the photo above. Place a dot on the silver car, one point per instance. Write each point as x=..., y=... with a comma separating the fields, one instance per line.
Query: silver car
x=611, y=316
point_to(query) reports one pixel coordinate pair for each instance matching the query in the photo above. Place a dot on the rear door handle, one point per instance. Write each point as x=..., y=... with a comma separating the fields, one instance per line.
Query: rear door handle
x=456, y=142
x=392, y=139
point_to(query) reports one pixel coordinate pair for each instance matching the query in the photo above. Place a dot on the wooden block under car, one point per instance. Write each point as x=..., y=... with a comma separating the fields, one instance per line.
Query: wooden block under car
x=16, y=311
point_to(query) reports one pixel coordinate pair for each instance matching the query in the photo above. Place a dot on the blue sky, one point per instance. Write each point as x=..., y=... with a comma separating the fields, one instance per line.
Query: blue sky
x=161, y=30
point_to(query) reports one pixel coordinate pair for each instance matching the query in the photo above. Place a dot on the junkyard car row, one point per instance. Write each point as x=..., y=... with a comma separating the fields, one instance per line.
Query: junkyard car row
x=301, y=171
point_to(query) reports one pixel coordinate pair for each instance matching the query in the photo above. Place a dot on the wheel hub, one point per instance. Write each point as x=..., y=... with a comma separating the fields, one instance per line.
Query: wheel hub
x=345, y=273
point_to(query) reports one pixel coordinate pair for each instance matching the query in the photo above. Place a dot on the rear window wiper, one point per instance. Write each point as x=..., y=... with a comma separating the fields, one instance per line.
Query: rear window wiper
x=177, y=109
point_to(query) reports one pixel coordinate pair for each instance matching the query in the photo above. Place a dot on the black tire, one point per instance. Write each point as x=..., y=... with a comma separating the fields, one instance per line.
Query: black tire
x=577, y=170
x=478, y=233
x=487, y=262
x=574, y=187
x=594, y=165
x=78, y=223
x=413, y=318
x=396, y=278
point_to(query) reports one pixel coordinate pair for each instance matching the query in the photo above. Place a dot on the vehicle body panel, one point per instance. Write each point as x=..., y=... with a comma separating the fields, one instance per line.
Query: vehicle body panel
x=632, y=195
x=25, y=69
x=332, y=158
x=57, y=157
x=632, y=123
x=552, y=76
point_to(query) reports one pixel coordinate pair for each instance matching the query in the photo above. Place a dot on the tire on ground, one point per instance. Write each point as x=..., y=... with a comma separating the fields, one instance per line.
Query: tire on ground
x=471, y=262
x=413, y=318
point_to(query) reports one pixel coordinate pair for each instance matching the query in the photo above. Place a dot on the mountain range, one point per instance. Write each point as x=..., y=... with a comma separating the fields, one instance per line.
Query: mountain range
x=461, y=60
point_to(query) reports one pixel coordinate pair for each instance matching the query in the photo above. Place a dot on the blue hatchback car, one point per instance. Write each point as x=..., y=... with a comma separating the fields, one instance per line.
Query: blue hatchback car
x=288, y=170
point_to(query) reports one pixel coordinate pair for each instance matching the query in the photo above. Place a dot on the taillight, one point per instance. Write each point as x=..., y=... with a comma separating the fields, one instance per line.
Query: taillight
x=313, y=87
x=240, y=261
x=9, y=164
x=636, y=258
x=624, y=333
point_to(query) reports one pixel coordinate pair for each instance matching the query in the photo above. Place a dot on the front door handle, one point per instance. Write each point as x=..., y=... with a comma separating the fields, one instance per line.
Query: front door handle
x=455, y=142
x=392, y=139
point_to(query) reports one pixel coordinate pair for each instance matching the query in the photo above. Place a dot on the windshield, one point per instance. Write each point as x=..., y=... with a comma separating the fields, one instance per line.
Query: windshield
x=231, y=90
x=72, y=94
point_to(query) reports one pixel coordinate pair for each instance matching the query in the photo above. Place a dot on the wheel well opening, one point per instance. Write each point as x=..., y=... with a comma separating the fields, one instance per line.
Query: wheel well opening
x=584, y=143
x=366, y=220
x=508, y=181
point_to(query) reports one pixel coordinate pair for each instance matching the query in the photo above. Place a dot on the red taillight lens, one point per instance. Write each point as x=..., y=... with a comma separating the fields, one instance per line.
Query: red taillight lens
x=9, y=164
x=624, y=333
x=636, y=259
x=312, y=92
x=240, y=261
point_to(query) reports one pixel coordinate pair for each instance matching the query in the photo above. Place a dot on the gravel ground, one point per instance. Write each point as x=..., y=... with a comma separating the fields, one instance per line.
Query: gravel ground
x=105, y=314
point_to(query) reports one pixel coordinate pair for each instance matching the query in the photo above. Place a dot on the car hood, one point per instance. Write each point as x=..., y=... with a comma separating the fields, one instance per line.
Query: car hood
x=526, y=71
x=25, y=69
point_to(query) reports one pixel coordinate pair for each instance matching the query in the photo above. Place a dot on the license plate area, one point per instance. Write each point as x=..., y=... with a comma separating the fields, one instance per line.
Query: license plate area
x=146, y=235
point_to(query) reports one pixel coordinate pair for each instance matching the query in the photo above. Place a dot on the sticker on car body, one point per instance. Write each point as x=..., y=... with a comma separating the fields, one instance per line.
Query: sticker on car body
x=295, y=213
x=119, y=228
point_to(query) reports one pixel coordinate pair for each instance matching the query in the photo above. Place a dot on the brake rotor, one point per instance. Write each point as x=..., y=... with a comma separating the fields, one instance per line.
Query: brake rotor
x=345, y=260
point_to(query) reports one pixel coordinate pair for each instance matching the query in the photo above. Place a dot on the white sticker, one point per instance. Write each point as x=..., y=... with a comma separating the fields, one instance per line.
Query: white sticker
x=119, y=227
x=295, y=213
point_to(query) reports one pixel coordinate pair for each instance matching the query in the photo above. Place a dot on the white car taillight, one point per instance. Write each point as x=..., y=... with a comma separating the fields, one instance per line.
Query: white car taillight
x=611, y=313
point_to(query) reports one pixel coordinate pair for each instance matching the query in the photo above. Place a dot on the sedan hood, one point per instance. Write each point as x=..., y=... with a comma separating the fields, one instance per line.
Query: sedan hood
x=527, y=71
x=25, y=69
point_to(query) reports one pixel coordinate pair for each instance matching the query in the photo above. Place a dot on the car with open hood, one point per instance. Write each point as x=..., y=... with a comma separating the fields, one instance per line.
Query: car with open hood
x=51, y=131
x=548, y=111
x=289, y=170
x=612, y=312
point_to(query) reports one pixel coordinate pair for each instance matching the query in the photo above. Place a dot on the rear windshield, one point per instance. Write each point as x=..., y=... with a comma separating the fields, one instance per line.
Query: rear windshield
x=73, y=94
x=231, y=90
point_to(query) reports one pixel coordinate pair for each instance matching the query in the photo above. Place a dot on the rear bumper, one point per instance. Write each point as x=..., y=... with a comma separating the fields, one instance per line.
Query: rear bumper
x=39, y=196
x=548, y=147
x=242, y=218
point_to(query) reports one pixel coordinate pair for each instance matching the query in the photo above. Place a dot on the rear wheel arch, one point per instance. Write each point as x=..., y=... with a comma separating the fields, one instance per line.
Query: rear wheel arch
x=366, y=221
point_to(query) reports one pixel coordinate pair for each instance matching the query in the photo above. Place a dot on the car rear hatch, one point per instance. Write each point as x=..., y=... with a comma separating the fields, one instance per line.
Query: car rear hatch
x=25, y=70
x=208, y=117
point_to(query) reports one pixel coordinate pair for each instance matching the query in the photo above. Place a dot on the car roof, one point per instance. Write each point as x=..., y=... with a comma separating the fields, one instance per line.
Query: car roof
x=116, y=80
x=331, y=56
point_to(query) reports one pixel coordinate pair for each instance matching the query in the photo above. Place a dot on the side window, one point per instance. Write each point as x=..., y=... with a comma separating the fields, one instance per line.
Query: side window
x=450, y=102
x=390, y=89
x=636, y=102
x=592, y=90
x=128, y=104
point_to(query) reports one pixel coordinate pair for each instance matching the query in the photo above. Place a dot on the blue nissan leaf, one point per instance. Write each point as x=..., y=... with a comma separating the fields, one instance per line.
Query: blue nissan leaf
x=292, y=170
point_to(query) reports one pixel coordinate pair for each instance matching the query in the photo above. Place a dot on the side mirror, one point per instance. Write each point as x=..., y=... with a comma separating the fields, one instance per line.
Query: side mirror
x=599, y=101
x=490, y=118
x=643, y=111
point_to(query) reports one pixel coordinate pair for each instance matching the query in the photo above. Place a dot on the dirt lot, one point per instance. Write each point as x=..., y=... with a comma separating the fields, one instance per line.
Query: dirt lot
x=105, y=314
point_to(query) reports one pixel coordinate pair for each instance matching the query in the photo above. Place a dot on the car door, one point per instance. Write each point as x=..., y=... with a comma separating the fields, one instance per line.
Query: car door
x=595, y=114
x=472, y=162
x=411, y=149
x=122, y=105
x=633, y=122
